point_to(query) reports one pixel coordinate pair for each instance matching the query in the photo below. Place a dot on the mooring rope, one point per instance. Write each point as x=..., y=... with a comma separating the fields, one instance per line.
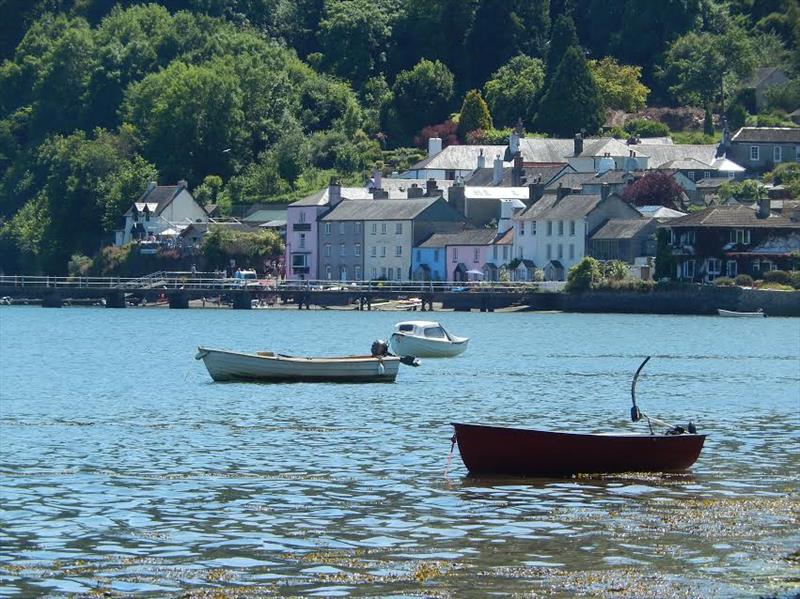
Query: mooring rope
x=450, y=456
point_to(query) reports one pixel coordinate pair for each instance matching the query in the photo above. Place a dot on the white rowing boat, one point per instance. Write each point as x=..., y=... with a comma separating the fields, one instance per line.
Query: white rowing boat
x=426, y=339
x=758, y=314
x=268, y=366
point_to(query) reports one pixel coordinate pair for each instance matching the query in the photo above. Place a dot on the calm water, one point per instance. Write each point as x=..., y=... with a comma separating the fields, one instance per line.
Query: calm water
x=124, y=469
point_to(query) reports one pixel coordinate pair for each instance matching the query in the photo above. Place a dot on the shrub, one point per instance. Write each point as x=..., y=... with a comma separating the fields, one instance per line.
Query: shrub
x=795, y=276
x=778, y=276
x=744, y=280
x=723, y=282
x=79, y=265
x=646, y=128
x=583, y=275
x=774, y=286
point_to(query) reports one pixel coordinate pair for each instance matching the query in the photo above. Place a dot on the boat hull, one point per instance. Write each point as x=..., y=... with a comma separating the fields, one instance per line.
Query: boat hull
x=411, y=345
x=225, y=365
x=734, y=314
x=520, y=452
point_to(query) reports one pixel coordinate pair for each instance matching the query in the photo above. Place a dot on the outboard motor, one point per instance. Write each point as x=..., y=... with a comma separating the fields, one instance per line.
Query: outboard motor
x=379, y=348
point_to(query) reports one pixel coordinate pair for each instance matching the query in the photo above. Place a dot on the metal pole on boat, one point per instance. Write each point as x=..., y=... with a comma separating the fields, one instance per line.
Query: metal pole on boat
x=636, y=415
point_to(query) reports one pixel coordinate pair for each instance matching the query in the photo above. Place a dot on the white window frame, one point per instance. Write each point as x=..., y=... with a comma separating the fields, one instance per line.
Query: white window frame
x=327, y=228
x=732, y=268
x=561, y=228
x=342, y=273
x=383, y=228
x=713, y=267
x=549, y=228
x=327, y=252
x=740, y=236
x=522, y=227
x=476, y=255
x=302, y=216
x=342, y=251
x=571, y=251
x=302, y=241
x=755, y=153
x=777, y=154
x=398, y=251
x=374, y=228
x=455, y=254
x=549, y=251
x=398, y=229
x=572, y=228
x=357, y=226
x=383, y=251
x=706, y=174
x=560, y=251
x=688, y=273
x=357, y=250
x=690, y=174
x=341, y=228
x=374, y=251
x=328, y=273
x=374, y=272
x=357, y=273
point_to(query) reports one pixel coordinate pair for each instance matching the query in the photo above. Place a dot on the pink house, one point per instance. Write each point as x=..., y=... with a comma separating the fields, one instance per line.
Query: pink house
x=301, y=232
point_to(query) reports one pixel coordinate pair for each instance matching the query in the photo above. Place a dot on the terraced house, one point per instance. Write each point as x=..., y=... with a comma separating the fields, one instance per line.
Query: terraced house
x=372, y=239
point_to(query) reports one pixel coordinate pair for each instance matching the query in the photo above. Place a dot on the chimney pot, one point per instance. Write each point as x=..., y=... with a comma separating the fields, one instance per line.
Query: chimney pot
x=434, y=145
x=431, y=188
x=605, y=190
x=578, y=143
x=334, y=192
x=763, y=207
x=497, y=174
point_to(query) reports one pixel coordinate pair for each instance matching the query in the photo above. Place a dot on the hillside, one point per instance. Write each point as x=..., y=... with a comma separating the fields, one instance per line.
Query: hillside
x=257, y=100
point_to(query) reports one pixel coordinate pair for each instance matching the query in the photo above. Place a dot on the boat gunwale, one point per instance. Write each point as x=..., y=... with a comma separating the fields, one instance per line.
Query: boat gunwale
x=303, y=359
x=604, y=436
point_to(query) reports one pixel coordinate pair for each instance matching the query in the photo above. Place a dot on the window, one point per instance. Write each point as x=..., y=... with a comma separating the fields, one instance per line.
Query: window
x=533, y=227
x=571, y=251
x=549, y=228
x=343, y=273
x=357, y=250
x=740, y=236
x=302, y=240
x=383, y=272
x=519, y=253
x=357, y=273
x=435, y=255
x=374, y=228
x=754, y=153
x=706, y=175
x=777, y=154
x=561, y=227
x=572, y=227
x=476, y=255
x=505, y=252
x=374, y=273
x=690, y=174
x=373, y=251
x=383, y=228
x=341, y=228
x=549, y=251
x=688, y=269
x=398, y=250
x=383, y=251
x=435, y=333
x=327, y=250
x=522, y=227
x=560, y=251
x=733, y=268
x=357, y=227
x=494, y=253
x=714, y=267
x=327, y=228
x=687, y=237
x=302, y=216
x=299, y=260
x=756, y=268
x=399, y=274
x=455, y=254
x=398, y=229
x=146, y=215
x=328, y=272
x=341, y=249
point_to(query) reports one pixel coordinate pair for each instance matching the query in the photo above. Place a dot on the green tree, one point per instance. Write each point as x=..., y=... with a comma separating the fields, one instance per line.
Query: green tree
x=572, y=102
x=584, y=275
x=708, y=122
x=474, y=114
x=513, y=90
x=788, y=175
x=353, y=37
x=209, y=191
x=562, y=38
x=422, y=96
x=749, y=189
x=620, y=85
x=221, y=244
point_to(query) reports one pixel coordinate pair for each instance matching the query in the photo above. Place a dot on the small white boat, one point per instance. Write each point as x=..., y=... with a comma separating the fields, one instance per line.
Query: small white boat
x=268, y=366
x=757, y=314
x=425, y=339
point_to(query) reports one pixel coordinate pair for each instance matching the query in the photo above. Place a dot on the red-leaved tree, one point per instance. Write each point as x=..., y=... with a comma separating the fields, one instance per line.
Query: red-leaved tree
x=447, y=132
x=657, y=188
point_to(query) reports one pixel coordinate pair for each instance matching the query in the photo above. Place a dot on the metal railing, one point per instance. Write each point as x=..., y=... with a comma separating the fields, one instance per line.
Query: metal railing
x=202, y=281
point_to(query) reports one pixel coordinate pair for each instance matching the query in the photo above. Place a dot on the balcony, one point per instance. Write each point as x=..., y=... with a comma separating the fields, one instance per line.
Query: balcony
x=301, y=227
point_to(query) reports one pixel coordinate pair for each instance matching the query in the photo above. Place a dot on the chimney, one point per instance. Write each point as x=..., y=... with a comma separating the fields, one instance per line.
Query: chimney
x=763, y=207
x=578, y=144
x=513, y=142
x=379, y=194
x=415, y=191
x=605, y=190
x=456, y=197
x=151, y=186
x=562, y=192
x=535, y=192
x=517, y=171
x=497, y=174
x=334, y=192
x=434, y=146
x=481, y=160
x=182, y=184
x=431, y=189
x=376, y=178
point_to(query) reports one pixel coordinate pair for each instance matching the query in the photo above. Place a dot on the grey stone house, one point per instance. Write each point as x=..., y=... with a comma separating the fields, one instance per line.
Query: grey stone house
x=760, y=149
x=625, y=239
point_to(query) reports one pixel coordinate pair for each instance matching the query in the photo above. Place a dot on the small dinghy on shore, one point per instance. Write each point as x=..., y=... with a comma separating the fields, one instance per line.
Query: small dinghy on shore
x=732, y=313
x=495, y=450
x=266, y=366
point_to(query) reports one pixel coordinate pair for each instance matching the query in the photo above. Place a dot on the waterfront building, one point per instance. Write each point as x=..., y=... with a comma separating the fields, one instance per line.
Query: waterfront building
x=732, y=240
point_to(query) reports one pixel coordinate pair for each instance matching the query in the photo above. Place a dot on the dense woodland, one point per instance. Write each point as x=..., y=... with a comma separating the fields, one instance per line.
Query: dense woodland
x=258, y=100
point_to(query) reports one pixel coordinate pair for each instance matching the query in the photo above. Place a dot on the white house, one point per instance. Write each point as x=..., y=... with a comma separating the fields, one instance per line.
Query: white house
x=161, y=210
x=554, y=233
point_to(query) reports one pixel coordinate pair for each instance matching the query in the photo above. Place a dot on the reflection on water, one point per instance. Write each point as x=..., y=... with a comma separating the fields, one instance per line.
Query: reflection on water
x=123, y=469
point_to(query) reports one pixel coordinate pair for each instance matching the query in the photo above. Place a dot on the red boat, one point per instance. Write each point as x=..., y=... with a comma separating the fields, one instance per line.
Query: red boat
x=521, y=452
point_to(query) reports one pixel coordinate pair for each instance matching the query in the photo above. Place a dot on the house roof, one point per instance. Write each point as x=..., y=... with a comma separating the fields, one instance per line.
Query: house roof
x=202, y=228
x=687, y=164
x=484, y=176
x=760, y=75
x=659, y=212
x=733, y=216
x=496, y=193
x=571, y=181
x=546, y=151
x=371, y=209
x=536, y=209
x=506, y=238
x=622, y=228
x=788, y=135
x=397, y=189
x=725, y=165
x=265, y=215
x=161, y=196
x=459, y=157
x=660, y=154
x=607, y=145
x=465, y=237
x=711, y=182
x=571, y=207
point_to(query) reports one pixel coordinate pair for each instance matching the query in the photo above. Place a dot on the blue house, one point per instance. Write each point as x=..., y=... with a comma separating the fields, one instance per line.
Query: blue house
x=428, y=261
